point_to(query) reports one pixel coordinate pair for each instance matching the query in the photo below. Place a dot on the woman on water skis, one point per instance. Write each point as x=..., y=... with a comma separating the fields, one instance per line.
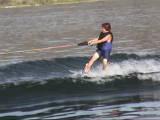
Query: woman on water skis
x=104, y=47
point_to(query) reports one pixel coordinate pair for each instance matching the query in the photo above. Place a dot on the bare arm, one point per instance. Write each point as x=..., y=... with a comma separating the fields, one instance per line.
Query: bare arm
x=87, y=42
x=95, y=39
x=107, y=38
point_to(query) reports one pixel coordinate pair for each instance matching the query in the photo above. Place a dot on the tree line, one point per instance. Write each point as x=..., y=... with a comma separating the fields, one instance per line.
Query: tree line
x=32, y=2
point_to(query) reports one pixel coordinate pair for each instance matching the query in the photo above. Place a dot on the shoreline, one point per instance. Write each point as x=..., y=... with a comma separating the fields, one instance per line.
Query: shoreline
x=44, y=4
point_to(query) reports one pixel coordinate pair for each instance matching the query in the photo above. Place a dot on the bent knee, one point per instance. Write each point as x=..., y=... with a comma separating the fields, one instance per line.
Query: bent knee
x=96, y=54
x=105, y=61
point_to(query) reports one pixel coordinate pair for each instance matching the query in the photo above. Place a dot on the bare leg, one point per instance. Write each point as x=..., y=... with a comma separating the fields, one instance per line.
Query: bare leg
x=105, y=64
x=90, y=63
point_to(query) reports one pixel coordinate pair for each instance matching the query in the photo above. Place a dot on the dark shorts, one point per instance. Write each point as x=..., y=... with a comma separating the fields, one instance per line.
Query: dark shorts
x=104, y=53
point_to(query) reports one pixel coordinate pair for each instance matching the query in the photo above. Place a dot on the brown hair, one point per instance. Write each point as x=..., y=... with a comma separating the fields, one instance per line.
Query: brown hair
x=106, y=26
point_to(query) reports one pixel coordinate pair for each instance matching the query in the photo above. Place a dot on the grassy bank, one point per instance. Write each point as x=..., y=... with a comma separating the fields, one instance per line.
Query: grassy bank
x=17, y=3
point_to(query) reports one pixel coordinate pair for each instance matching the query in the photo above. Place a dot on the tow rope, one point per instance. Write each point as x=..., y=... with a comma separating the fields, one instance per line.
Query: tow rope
x=44, y=49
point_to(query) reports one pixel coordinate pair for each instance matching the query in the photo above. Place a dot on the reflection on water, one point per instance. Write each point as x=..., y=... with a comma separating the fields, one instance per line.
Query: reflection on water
x=121, y=106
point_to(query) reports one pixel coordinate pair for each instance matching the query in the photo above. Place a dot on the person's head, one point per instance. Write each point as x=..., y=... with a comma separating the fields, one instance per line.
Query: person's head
x=106, y=27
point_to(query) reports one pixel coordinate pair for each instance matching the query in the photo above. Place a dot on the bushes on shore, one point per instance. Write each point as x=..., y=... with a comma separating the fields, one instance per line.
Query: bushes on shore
x=34, y=2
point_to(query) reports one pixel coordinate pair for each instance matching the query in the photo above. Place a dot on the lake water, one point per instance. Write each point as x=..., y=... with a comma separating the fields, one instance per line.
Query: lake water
x=49, y=85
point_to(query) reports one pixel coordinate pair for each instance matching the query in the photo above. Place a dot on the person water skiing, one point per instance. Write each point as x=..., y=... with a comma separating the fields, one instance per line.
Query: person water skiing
x=104, y=47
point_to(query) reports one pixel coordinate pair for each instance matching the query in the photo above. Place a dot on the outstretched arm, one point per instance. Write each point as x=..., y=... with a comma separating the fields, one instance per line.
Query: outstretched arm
x=94, y=42
x=87, y=42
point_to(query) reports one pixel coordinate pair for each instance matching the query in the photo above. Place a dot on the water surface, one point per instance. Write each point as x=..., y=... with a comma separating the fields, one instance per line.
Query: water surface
x=50, y=85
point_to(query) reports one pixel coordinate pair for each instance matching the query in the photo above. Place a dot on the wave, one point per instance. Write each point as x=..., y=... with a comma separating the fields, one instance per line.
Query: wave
x=70, y=68
x=63, y=76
